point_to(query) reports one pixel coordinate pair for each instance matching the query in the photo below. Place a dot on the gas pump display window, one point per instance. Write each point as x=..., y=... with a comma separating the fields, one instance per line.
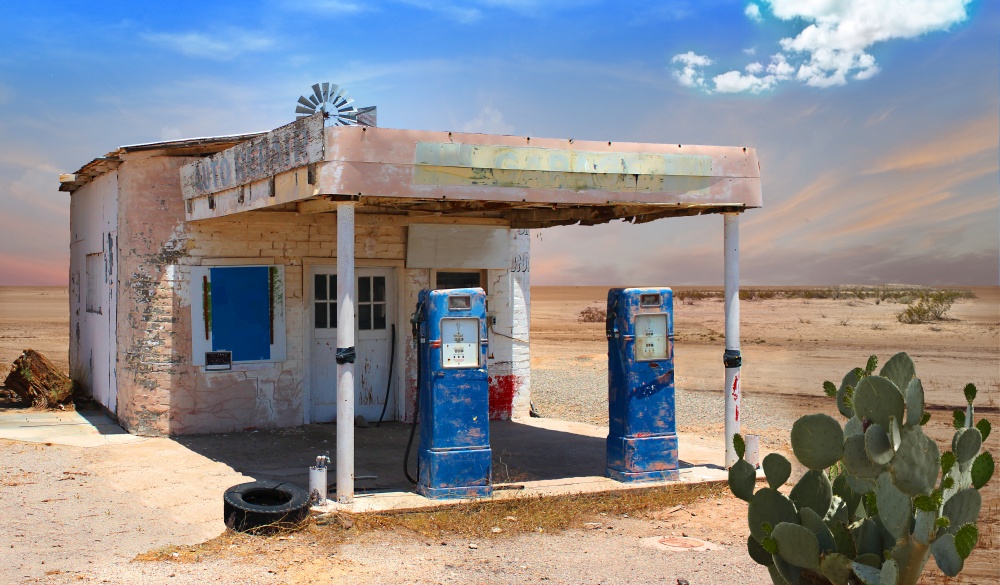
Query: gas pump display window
x=651, y=342
x=460, y=342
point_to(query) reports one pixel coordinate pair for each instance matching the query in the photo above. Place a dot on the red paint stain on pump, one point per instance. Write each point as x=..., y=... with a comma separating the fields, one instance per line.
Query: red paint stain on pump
x=502, y=390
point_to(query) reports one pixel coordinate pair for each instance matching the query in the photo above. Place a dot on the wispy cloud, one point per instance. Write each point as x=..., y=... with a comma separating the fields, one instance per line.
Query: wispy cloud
x=975, y=137
x=220, y=45
x=489, y=121
x=833, y=46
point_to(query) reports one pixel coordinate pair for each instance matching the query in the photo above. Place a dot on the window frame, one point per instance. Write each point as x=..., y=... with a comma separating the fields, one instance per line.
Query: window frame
x=201, y=322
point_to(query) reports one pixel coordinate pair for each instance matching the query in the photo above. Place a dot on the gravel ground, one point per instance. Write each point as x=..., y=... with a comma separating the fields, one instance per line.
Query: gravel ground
x=581, y=395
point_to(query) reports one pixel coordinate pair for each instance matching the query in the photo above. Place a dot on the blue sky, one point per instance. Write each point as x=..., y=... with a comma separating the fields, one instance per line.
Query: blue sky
x=877, y=127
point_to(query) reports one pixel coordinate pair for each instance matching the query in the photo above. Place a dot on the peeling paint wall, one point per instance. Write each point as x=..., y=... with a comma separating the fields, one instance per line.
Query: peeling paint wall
x=510, y=379
x=160, y=391
x=93, y=288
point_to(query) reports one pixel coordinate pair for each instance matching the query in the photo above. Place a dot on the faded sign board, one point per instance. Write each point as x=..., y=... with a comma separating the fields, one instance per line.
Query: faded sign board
x=549, y=168
x=282, y=149
x=457, y=246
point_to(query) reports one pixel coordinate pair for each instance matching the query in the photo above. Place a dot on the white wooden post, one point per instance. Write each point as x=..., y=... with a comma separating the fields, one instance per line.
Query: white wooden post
x=732, y=358
x=345, y=340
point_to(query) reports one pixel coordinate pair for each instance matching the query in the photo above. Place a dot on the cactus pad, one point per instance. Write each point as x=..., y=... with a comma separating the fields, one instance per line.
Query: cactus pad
x=869, y=540
x=900, y=370
x=982, y=470
x=963, y=508
x=895, y=509
x=836, y=568
x=817, y=441
x=777, y=469
x=915, y=467
x=946, y=555
x=878, y=446
x=866, y=574
x=856, y=458
x=769, y=506
x=890, y=573
x=843, y=403
x=813, y=491
x=966, y=539
x=797, y=545
x=876, y=399
x=914, y=396
x=757, y=552
x=923, y=527
x=815, y=524
x=967, y=444
x=742, y=479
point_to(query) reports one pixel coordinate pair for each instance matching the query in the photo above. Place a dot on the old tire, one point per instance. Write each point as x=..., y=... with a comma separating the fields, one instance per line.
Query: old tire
x=264, y=506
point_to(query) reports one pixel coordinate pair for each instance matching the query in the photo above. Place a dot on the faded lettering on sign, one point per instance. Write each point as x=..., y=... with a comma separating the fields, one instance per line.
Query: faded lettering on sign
x=293, y=145
x=547, y=168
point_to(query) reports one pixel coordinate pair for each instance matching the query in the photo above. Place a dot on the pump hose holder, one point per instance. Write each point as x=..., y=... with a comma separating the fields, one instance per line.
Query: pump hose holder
x=732, y=358
x=346, y=355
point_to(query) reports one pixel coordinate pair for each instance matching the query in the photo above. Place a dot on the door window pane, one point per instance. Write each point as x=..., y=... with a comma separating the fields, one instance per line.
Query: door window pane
x=378, y=282
x=379, y=316
x=321, y=315
x=321, y=290
x=364, y=317
x=364, y=289
x=325, y=297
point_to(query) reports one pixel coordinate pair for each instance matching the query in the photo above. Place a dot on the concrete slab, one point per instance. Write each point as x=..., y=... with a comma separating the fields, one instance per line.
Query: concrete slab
x=75, y=428
x=531, y=458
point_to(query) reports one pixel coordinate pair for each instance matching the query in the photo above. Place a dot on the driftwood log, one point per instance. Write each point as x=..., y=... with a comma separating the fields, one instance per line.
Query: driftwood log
x=36, y=380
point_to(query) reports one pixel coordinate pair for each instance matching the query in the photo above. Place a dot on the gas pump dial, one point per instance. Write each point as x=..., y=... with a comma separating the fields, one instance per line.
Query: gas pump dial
x=651, y=340
x=460, y=342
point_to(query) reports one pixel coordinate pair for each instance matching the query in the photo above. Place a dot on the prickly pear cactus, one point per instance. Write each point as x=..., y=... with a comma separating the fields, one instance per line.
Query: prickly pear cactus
x=879, y=498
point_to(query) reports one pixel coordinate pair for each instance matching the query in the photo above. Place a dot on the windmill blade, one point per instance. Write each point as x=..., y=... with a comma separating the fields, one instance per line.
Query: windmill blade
x=306, y=111
x=368, y=116
x=318, y=93
x=326, y=91
x=305, y=102
x=315, y=102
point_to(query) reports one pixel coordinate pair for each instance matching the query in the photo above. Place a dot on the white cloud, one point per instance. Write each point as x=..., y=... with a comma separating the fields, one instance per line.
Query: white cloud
x=489, y=121
x=750, y=51
x=692, y=74
x=833, y=47
x=757, y=77
x=221, y=45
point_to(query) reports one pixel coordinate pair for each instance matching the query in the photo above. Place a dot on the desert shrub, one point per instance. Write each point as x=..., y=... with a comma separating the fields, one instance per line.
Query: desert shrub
x=930, y=306
x=593, y=315
x=878, y=499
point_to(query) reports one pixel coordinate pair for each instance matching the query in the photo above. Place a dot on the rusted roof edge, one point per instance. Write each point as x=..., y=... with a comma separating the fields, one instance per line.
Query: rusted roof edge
x=203, y=145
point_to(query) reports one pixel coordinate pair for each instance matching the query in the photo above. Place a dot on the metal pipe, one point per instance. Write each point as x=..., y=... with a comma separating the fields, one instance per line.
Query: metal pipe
x=732, y=358
x=345, y=341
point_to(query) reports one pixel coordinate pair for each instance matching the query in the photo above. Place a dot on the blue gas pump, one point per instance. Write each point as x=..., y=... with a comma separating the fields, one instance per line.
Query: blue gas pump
x=642, y=437
x=455, y=459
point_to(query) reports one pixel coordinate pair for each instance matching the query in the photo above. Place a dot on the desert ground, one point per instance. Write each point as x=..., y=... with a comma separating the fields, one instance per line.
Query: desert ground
x=74, y=515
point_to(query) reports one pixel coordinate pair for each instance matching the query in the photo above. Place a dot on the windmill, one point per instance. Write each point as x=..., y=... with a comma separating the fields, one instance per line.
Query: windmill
x=332, y=100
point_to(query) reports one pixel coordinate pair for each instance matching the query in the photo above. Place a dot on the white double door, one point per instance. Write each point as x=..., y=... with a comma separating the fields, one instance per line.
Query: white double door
x=374, y=318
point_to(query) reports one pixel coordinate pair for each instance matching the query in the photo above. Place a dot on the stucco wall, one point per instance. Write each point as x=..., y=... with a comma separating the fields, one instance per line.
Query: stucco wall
x=160, y=392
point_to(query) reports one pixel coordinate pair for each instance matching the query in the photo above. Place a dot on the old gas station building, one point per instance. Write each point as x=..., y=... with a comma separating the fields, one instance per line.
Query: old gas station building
x=213, y=280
